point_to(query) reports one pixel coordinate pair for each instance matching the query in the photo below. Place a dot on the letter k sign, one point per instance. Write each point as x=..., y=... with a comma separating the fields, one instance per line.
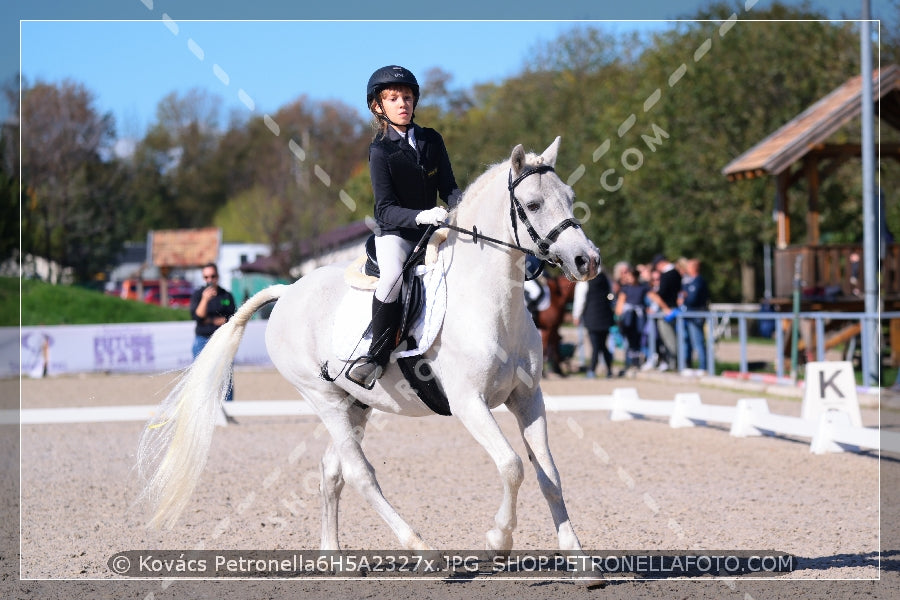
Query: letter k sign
x=830, y=386
x=824, y=384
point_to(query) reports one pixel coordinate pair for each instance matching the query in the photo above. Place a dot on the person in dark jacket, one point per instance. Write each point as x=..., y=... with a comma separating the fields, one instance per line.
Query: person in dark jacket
x=409, y=168
x=592, y=307
x=211, y=306
x=694, y=297
x=631, y=304
x=666, y=299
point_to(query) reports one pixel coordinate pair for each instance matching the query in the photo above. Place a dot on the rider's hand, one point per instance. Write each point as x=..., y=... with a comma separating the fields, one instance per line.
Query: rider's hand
x=432, y=216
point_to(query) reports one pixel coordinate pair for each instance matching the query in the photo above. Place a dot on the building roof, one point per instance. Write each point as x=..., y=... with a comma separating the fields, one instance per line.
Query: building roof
x=816, y=124
x=265, y=264
x=328, y=242
x=335, y=238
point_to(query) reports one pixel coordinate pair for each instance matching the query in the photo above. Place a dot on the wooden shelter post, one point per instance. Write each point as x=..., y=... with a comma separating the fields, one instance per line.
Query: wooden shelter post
x=781, y=209
x=811, y=166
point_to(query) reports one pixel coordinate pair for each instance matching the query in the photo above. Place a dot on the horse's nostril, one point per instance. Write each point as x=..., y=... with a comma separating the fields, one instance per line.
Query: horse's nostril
x=580, y=262
x=587, y=265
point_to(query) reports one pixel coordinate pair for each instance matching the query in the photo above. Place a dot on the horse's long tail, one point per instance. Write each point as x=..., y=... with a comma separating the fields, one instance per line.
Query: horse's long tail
x=175, y=444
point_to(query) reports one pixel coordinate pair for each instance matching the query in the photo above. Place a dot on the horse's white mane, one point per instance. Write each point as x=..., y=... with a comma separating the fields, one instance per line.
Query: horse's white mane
x=488, y=176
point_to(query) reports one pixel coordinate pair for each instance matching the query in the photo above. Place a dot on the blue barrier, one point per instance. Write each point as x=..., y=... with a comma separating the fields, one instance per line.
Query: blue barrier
x=818, y=318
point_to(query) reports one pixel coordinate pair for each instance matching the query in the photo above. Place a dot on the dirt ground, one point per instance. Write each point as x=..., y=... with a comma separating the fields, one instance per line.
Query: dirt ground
x=635, y=485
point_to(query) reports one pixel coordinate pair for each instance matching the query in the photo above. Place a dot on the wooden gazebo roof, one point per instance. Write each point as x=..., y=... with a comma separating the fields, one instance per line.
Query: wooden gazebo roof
x=808, y=131
x=804, y=140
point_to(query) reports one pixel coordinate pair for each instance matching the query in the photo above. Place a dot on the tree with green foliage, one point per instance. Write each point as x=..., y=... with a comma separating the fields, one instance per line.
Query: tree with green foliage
x=286, y=188
x=648, y=122
x=753, y=79
x=177, y=182
x=652, y=121
x=71, y=195
x=9, y=192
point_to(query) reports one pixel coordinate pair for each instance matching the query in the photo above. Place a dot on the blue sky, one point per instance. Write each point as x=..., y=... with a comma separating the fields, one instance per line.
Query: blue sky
x=134, y=53
x=264, y=65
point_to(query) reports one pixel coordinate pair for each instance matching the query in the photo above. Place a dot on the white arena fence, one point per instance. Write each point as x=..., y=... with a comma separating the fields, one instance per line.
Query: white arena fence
x=832, y=431
x=156, y=347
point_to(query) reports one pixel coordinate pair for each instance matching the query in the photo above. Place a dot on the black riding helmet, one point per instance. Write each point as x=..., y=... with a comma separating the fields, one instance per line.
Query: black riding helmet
x=388, y=76
x=385, y=77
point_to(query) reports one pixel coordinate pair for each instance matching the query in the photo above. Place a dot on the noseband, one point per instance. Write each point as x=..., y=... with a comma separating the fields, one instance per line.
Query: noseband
x=515, y=208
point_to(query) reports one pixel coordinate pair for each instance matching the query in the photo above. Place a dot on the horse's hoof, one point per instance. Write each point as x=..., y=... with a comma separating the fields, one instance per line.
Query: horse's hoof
x=415, y=543
x=595, y=584
x=497, y=541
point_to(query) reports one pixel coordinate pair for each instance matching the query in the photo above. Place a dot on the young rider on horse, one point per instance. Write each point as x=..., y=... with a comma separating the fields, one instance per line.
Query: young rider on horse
x=409, y=167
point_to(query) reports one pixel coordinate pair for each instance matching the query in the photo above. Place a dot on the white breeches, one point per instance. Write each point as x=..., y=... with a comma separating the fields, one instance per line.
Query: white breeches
x=392, y=251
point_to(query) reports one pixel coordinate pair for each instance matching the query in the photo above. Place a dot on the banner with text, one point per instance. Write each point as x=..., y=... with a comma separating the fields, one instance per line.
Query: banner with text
x=127, y=348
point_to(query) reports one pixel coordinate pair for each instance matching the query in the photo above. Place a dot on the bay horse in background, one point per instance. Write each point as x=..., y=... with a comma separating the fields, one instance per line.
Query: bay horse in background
x=562, y=292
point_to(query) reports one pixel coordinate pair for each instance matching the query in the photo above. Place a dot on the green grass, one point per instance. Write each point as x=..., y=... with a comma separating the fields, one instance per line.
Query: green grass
x=45, y=304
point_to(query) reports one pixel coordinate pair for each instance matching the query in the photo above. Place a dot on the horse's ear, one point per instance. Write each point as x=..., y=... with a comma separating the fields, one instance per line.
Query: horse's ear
x=550, y=153
x=517, y=159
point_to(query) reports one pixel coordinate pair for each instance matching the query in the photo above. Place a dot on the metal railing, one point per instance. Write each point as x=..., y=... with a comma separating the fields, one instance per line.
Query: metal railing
x=713, y=318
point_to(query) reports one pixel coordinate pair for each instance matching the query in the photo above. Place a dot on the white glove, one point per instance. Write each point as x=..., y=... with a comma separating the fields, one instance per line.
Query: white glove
x=432, y=216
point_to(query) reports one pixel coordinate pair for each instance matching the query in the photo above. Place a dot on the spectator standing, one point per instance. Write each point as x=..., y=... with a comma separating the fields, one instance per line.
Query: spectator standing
x=211, y=306
x=666, y=298
x=695, y=296
x=630, y=305
x=650, y=332
x=592, y=307
x=618, y=269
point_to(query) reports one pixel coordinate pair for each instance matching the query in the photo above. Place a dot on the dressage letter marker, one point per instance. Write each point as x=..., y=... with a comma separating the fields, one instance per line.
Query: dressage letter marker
x=830, y=386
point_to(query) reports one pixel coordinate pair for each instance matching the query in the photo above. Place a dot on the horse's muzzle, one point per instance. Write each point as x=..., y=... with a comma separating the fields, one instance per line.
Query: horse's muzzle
x=588, y=264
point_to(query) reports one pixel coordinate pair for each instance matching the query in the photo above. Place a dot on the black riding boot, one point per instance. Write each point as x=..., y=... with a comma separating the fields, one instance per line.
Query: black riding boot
x=385, y=322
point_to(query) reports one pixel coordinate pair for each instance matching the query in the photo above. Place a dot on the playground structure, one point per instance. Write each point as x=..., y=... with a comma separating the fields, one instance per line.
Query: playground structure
x=831, y=276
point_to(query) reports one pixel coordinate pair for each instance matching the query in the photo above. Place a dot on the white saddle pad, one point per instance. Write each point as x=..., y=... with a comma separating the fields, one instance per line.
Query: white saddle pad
x=355, y=313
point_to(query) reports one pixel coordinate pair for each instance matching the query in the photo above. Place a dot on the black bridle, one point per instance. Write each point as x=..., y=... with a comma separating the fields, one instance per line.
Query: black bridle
x=516, y=209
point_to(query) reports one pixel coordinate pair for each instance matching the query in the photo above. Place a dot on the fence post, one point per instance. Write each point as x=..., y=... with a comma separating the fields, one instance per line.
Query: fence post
x=742, y=338
x=683, y=402
x=779, y=349
x=710, y=340
x=823, y=441
x=622, y=398
x=865, y=334
x=743, y=420
x=820, y=339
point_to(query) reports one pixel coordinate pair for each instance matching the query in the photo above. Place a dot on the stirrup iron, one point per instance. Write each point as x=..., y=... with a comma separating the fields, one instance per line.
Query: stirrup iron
x=367, y=380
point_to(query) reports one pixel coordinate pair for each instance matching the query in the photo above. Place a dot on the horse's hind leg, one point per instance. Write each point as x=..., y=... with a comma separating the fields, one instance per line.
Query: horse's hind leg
x=332, y=479
x=532, y=419
x=345, y=460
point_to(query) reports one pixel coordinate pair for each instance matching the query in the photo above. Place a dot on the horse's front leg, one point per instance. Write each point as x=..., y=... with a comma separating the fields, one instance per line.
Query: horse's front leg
x=528, y=407
x=477, y=418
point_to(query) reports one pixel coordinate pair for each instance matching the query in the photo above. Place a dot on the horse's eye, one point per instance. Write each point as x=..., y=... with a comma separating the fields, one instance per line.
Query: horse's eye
x=533, y=206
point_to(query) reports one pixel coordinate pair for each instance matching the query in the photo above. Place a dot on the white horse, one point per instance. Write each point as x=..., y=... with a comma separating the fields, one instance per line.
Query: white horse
x=487, y=353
